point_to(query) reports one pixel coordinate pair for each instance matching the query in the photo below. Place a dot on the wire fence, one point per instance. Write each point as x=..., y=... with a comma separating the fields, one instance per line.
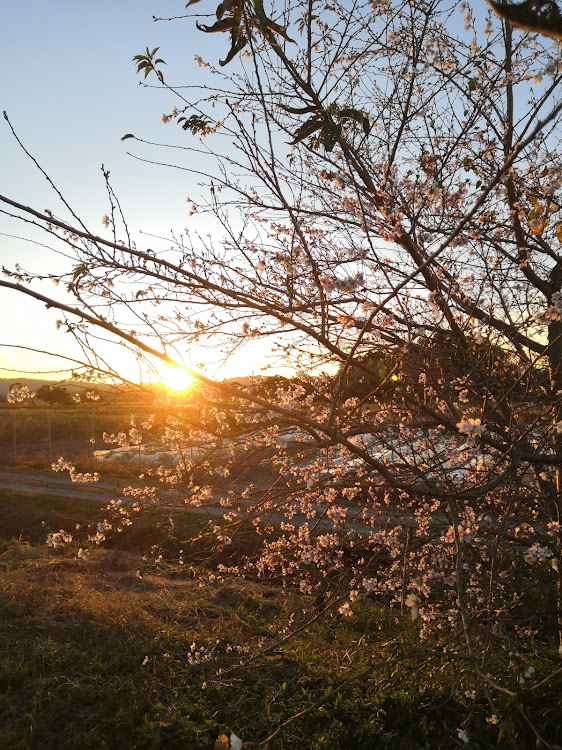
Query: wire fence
x=26, y=429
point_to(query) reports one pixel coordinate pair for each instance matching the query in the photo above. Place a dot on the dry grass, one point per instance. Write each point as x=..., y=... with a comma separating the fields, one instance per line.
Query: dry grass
x=94, y=656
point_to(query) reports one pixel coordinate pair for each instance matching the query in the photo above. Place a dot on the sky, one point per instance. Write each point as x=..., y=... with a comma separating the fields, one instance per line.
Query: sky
x=71, y=92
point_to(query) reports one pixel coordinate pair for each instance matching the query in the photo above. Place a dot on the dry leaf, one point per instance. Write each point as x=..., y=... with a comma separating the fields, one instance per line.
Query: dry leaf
x=540, y=16
x=222, y=743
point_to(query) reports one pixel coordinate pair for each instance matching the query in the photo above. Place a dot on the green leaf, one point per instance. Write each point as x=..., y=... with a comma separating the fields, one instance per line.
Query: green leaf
x=309, y=127
x=330, y=134
x=260, y=13
x=80, y=270
x=298, y=110
x=225, y=7
x=281, y=30
x=237, y=46
x=195, y=123
x=223, y=25
x=352, y=114
x=267, y=24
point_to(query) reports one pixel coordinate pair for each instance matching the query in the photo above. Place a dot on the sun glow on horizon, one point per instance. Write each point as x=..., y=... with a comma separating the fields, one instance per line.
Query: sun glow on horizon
x=176, y=379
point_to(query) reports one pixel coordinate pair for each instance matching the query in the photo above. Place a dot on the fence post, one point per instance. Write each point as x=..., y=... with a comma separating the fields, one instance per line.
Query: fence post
x=14, y=421
x=50, y=437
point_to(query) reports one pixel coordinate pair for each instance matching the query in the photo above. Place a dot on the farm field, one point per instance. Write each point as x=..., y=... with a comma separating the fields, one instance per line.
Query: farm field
x=111, y=650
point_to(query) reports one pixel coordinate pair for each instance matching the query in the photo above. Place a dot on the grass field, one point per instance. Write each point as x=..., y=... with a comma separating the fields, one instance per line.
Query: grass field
x=109, y=652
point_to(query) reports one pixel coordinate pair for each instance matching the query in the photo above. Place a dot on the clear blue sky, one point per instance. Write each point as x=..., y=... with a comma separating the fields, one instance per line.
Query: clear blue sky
x=71, y=91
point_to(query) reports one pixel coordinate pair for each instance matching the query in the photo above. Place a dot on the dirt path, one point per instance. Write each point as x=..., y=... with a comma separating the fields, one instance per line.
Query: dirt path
x=38, y=483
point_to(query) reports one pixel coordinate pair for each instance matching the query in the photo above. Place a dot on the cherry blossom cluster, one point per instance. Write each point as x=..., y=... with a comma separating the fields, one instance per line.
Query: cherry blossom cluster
x=19, y=394
x=59, y=539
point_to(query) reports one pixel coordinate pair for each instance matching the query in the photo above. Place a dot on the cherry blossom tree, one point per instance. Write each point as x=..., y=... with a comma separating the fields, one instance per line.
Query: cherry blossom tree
x=388, y=191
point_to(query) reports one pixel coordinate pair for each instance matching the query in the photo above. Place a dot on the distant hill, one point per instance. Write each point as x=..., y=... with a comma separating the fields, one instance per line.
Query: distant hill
x=34, y=384
x=78, y=386
x=245, y=380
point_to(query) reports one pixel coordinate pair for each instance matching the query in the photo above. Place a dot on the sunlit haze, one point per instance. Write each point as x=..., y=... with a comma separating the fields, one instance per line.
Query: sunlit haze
x=176, y=379
x=71, y=94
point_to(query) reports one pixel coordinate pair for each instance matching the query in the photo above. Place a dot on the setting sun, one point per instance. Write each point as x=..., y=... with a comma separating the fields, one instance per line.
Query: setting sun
x=176, y=379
